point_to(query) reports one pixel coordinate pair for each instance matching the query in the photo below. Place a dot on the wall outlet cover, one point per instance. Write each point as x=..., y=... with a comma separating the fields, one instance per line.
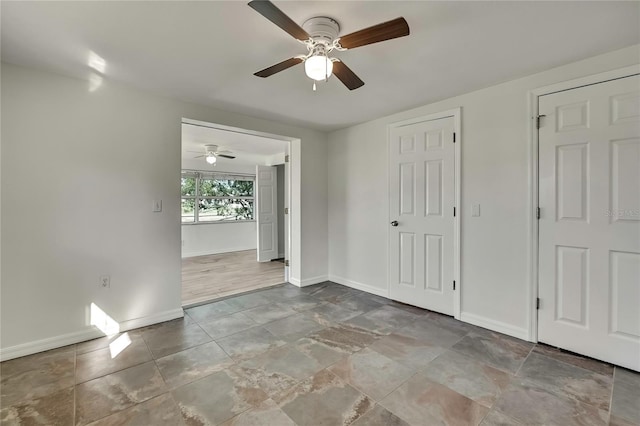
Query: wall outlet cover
x=105, y=281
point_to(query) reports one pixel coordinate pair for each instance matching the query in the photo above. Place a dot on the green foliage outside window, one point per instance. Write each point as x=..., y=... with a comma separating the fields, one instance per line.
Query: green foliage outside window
x=188, y=186
x=211, y=199
x=226, y=188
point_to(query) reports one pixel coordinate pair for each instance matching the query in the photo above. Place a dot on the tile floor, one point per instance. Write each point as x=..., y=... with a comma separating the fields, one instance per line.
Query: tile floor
x=320, y=355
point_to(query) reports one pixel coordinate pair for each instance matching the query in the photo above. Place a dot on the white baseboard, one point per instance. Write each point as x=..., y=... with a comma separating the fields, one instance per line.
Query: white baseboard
x=42, y=345
x=383, y=292
x=151, y=319
x=207, y=252
x=88, y=333
x=308, y=281
x=499, y=326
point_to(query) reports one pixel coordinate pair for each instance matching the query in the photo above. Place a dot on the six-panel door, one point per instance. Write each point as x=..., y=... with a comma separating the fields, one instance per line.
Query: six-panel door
x=589, y=231
x=422, y=198
x=266, y=212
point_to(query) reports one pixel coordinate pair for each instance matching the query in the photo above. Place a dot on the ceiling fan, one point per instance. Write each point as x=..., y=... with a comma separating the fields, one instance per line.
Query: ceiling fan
x=211, y=154
x=320, y=36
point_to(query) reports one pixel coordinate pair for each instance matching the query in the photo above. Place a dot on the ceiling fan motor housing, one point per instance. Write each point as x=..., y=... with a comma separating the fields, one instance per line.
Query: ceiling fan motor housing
x=210, y=148
x=322, y=29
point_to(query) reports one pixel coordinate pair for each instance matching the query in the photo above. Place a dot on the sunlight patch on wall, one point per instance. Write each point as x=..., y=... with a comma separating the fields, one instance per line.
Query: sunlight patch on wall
x=109, y=327
x=103, y=322
x=97, y=62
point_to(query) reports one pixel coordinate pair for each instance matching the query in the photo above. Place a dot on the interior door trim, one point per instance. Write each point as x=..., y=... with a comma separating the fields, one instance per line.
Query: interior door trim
x=456, y=113
x=533, y=163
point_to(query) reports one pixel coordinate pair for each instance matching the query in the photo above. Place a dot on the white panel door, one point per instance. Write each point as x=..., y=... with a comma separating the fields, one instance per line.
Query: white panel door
x=589, y=241
x=266, y=212
x=422, y=223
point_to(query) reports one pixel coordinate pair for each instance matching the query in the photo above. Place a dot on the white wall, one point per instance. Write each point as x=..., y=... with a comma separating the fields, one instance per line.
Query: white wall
x=495, y=171
x=212, y=238
x=79, y=172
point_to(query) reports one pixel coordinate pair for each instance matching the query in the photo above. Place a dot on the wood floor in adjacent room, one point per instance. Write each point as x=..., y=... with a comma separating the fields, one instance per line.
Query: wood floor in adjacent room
x=213, y=276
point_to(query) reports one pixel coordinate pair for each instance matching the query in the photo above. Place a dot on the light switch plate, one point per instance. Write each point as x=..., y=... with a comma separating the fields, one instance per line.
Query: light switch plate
x=475, y=210
x=157, y=206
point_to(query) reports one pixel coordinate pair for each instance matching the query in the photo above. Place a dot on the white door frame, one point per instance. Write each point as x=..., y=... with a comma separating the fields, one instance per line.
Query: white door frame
x=533, y=96
x=292, y=244
x=456, y=113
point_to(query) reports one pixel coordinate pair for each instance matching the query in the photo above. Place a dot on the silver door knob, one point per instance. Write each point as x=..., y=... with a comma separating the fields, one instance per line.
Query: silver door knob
x=394, y=223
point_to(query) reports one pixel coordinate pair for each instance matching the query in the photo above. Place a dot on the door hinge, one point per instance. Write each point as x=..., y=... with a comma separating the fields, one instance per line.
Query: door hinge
x=538, y=213
x=454, y=285
x=538, y=303
x=286, y=210
x=454, y=212
x=286, y=158
x=454, y=137
x=286, y=263
x=538, y=119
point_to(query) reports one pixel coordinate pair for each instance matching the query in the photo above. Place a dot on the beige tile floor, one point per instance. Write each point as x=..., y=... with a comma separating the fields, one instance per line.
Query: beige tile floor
x=321, y=355
x=214, y=276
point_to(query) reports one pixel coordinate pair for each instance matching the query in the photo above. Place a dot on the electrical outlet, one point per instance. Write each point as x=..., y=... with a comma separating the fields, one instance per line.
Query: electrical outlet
x=105, y=281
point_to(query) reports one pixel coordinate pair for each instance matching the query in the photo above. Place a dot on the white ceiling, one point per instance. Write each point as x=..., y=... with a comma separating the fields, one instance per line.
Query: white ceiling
x=248, y=149
x=207, y=51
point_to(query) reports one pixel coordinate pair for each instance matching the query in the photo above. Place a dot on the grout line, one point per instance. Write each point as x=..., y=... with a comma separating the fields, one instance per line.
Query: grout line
x=523, y=361
x=75, y=365
x=613, y=386
x=395, y=389
x=176, y=405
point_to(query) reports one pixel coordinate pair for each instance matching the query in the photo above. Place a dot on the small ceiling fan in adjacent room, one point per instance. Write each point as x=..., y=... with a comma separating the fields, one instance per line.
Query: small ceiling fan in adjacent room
x=211, y=154
x=320, y=35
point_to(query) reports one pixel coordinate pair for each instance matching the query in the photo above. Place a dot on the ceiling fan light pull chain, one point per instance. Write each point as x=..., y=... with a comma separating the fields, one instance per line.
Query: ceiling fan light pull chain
x=314, y=86
x=326, y=71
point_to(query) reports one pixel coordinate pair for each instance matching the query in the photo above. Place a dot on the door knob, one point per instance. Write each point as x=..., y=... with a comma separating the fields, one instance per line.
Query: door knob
x=394, y=223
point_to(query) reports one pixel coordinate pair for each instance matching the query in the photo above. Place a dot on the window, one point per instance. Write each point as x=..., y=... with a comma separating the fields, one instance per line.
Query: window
x=216, y=197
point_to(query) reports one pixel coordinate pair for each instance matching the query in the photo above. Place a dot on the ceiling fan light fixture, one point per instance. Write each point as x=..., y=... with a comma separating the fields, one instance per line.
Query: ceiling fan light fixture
x=211, y=158
x=318, y=67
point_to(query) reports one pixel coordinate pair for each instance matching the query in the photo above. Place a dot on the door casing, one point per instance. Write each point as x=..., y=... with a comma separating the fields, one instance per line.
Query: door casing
x=292, y=222
x=456, y=113
x=533, y=236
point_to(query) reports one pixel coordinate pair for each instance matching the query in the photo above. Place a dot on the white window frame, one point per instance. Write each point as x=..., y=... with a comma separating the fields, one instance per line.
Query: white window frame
x=199, y=175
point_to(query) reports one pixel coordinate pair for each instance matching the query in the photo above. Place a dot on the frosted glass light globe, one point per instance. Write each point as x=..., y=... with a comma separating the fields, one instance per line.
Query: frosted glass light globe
x=318, y=67
x=211, y=159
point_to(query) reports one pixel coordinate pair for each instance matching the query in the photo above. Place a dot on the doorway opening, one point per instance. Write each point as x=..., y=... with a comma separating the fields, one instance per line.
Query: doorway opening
x=235, y=194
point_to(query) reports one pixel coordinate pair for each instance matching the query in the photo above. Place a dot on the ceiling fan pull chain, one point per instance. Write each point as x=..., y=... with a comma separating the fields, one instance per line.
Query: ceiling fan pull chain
x=314, y=86
x=326, y=71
